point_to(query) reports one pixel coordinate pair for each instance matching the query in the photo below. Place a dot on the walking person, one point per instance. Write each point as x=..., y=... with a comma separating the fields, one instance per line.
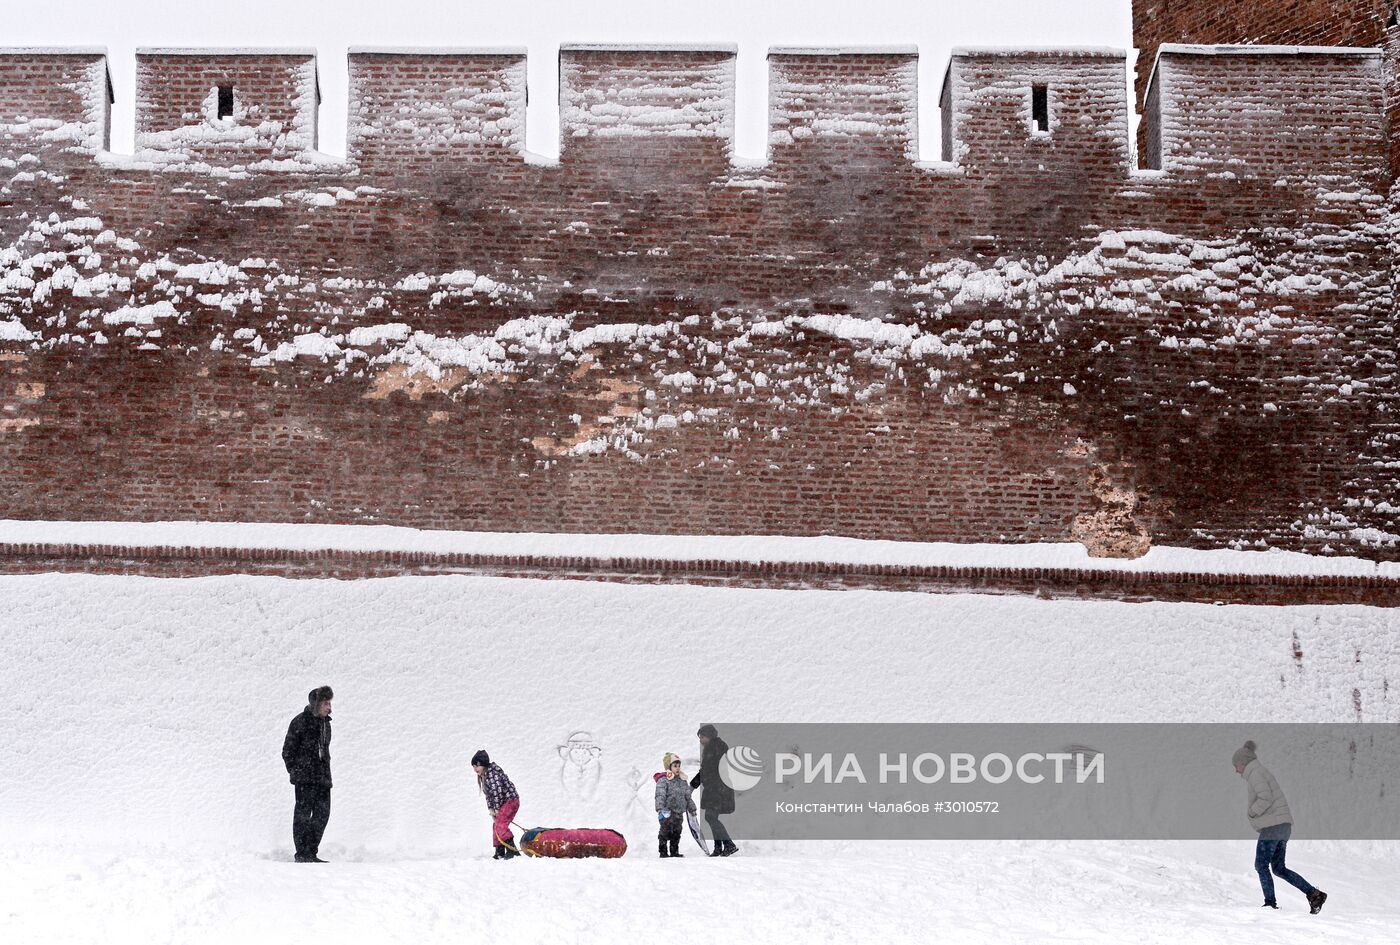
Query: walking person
x=1269, y=815
x=673, y=802
x=307, y=754
x=718, y=797
x=502, y=801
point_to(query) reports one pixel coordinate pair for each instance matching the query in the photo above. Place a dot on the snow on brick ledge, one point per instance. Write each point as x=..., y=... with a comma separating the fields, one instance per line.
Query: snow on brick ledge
x=746, y=549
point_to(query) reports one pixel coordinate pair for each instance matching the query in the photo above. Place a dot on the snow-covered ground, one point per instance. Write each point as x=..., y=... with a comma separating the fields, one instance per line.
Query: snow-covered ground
x=142, y=797
x=964, y=894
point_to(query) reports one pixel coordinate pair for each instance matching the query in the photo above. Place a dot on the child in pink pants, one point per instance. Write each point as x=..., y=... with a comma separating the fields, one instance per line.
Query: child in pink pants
x=501, y=799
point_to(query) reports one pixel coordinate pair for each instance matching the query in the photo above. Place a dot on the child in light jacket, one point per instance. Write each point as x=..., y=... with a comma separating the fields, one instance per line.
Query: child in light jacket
x=673, y=802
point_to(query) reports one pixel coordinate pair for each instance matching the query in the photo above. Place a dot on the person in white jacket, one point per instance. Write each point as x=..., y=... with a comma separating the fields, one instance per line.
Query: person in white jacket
x=1269, y=814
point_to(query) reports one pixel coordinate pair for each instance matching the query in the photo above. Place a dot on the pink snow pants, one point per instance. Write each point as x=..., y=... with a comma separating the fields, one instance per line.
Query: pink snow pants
x=500, y=833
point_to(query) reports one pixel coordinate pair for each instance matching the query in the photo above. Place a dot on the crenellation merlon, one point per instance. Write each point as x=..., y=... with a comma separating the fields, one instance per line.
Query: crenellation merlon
x=411, y=107
x=1241, y=49
x=1213, y=107
x=226, y=106
x=55, y=97
x=683, y=92
x=421, y=111
x=822, y=94
x=1057, y=106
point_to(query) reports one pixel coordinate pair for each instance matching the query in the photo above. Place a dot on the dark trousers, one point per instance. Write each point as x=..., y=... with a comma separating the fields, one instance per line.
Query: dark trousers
x=309, y=817
x=717, y=831
x=670, y=831
x=1269, y=857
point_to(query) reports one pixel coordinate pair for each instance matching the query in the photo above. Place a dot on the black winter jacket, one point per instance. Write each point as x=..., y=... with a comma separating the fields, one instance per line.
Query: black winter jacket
x=717, y=796
x=307, y=750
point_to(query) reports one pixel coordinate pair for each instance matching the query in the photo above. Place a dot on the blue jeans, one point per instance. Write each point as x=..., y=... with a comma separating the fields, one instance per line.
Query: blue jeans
x=1268, y=856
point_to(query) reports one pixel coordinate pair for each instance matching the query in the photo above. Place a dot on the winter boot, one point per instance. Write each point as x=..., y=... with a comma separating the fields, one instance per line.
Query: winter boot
x=1315, y=899
x=676, y=848
x=729, y=848
x=509, y=852
x=500, y=853
x=1269, y=905
x=718, y=850
x=661, y=848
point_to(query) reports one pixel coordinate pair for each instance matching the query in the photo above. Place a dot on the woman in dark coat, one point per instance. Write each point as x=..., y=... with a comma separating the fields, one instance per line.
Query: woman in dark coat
x=718, y=797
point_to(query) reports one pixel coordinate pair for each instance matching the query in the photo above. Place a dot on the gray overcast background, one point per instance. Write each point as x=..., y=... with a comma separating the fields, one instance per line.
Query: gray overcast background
x=935, y=26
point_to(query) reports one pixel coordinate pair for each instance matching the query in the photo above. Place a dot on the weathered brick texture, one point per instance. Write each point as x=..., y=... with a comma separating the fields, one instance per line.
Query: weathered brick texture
x=54, y=100
x=273, y=96
x=417, y=114
x=1032, y=342
x=1354, y=23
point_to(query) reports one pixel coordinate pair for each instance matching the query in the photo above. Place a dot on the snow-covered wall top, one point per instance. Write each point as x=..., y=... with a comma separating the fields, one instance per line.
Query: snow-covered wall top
x=473, y=99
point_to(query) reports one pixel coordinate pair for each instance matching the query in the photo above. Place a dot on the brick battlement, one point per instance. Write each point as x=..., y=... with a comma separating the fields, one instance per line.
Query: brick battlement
x=271, y=100
x=55, y=98
x=421, y=112
x=1032, y=341
x=1301, y=25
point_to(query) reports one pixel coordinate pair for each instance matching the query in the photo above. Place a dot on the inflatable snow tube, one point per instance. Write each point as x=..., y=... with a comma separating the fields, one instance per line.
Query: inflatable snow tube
x=562, y=843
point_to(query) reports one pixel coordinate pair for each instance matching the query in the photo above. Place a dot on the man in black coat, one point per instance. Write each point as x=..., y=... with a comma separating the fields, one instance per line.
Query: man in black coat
x=307, y=754
x=718, y=797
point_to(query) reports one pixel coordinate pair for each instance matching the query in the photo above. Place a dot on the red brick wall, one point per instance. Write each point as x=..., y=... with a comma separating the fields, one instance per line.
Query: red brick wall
x=864, y=107
x=1298, y=23
x=1291, y=130
x=274, y=103
x=53, y=101
x=417, y=114
x=1034, y=343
